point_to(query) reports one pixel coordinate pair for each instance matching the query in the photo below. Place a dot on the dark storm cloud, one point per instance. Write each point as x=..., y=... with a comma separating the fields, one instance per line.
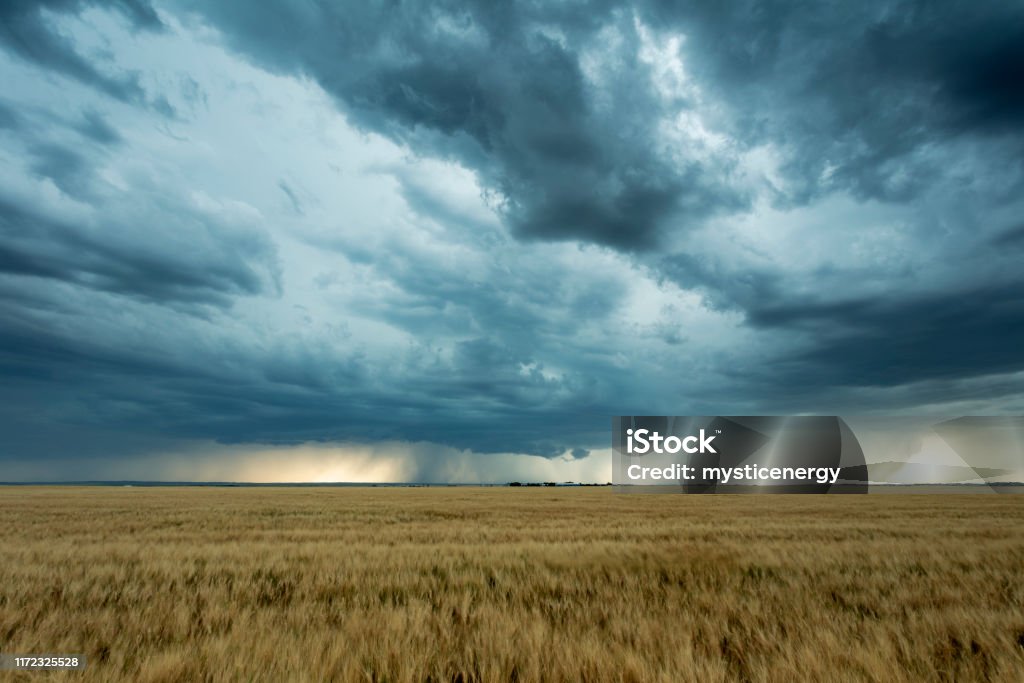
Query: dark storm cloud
x=1012, y=238
x=115, y=258
x=500, y=86
x=95, y=127
x=27, y=31
x=882, y=341
x=123, y=316
x=68, y=169
x=9, y=117
x=242, y=394
x=37, y=126
x=863, y=89
x=287, y=391
x=880, y=100
x=973, y=326
x=856, y=94
x=888, y=101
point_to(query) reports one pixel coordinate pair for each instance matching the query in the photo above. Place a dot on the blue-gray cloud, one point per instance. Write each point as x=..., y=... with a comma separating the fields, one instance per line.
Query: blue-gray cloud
x=26, y=30
x=885, y=101
x=654, y=208
x=503, y=88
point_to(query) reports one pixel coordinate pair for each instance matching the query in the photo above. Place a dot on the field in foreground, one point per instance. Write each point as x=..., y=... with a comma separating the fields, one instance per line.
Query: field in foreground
x=192, y=584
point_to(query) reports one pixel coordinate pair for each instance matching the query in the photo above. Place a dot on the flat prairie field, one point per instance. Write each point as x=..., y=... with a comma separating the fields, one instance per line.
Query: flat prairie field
x=511, y=584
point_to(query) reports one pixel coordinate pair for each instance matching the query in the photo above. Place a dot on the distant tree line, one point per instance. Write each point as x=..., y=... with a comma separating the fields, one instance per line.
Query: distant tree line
x=552, y=483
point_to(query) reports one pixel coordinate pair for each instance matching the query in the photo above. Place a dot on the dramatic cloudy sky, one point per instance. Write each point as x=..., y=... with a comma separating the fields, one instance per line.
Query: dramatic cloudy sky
x=447, y=241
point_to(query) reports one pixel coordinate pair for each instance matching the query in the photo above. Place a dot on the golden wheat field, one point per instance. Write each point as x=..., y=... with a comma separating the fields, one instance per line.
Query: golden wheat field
x=511, y=584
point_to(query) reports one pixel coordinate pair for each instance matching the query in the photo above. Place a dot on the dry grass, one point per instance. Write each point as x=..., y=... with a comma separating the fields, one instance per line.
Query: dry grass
x=512, y=584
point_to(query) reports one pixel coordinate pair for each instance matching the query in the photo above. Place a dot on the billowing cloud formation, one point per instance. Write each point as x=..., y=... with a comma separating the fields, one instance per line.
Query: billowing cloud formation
x=27, y=31
x=491, y=226
x=561, y=112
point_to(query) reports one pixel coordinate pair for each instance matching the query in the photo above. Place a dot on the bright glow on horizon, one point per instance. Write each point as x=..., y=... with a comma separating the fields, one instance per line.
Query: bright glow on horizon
x=321, y=463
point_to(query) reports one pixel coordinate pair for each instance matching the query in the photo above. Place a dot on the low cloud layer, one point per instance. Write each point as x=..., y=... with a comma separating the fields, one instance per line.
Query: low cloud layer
x=490, y=227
